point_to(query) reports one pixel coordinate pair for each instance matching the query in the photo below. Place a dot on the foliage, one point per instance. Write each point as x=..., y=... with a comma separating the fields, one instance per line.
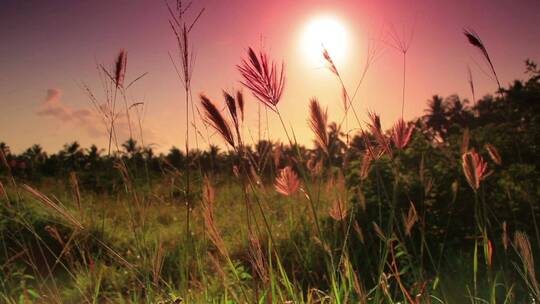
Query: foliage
x=355, y=219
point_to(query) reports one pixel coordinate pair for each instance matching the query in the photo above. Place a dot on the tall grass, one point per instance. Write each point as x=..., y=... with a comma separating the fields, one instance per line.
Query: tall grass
x=344, y=222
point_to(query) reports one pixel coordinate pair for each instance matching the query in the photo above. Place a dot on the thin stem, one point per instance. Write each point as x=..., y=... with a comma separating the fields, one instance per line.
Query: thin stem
x=284, y=127
x=111, y=131
x=312, y=206
x=188, y=181
x=404, y=78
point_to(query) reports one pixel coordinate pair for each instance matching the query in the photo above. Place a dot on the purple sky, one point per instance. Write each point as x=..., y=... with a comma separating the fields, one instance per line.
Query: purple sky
x=48, y=48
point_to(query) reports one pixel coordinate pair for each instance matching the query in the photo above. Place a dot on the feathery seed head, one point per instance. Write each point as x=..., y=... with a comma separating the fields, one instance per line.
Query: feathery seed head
x=263, y=78
x=317, y=122
x=338, y=211
x=240, y=100
x=401, y=134
x=474, y=168
x=120, y=68
x=494, y=154
x=523, y=247
x=410, y=219
x=366, y=165
x=287, y=182
x=330, y=62
x=376, y=130
x=214, y=118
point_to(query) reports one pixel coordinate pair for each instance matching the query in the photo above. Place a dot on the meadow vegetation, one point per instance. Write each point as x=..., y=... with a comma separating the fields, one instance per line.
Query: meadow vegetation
x=439, y=209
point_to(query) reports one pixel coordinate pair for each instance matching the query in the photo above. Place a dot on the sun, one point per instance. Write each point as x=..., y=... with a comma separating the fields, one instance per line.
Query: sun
x=324, y=32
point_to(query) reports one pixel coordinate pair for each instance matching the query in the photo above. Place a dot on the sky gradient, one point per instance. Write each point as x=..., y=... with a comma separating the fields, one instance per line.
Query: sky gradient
x=50, y=47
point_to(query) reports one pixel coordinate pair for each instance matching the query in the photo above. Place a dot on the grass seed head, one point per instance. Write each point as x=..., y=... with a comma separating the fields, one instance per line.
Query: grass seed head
x=494, y=154
x=474, y=168
x=410, y=219
x=214, y=118
x=338, y=210
x=401, y=133
x=318, y=120
x=264, y=78
x=523, y=247
x=505, y=238
x=376, y=130
x=120, y=68
x=287, y=182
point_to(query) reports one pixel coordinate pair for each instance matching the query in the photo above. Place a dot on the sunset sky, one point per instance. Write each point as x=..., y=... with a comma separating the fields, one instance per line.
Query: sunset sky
x=48, y=48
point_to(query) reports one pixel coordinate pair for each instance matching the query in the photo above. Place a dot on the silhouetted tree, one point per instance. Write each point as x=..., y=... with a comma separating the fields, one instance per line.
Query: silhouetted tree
x=130, y=147
x=435, y=117
x=336, y=146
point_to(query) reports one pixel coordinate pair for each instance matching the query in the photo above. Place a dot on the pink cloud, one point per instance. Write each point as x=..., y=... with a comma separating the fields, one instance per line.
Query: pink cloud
x=53, y=106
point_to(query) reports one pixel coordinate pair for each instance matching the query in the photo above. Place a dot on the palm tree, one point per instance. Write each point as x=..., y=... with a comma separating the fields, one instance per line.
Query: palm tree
x=93, y=155
x=130, y=147
x=148, y=153
x=34, y=157
x=176, y=157
x=457, y=113
x=72, y=149
x=72, y=154
x=35, y=154
x=93, y=152
x=213, y=154
x=336, y=146
x=435, y=117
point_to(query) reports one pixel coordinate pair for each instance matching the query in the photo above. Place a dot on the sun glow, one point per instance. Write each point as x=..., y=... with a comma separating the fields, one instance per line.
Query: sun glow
x=324, y=32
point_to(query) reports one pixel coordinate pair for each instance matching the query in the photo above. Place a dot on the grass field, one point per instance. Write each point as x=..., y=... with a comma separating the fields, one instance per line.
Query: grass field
x=439, y=209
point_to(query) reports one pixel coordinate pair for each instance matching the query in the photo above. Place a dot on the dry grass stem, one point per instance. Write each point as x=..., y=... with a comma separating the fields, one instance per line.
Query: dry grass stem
x=523, y=247
x=256, y=256
x=75, y=190
x=365, y=166
x=3, y=191
x=378, y=231
x=474, y=40
x=209, y=219
x=157, y=263
x=59, y=209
